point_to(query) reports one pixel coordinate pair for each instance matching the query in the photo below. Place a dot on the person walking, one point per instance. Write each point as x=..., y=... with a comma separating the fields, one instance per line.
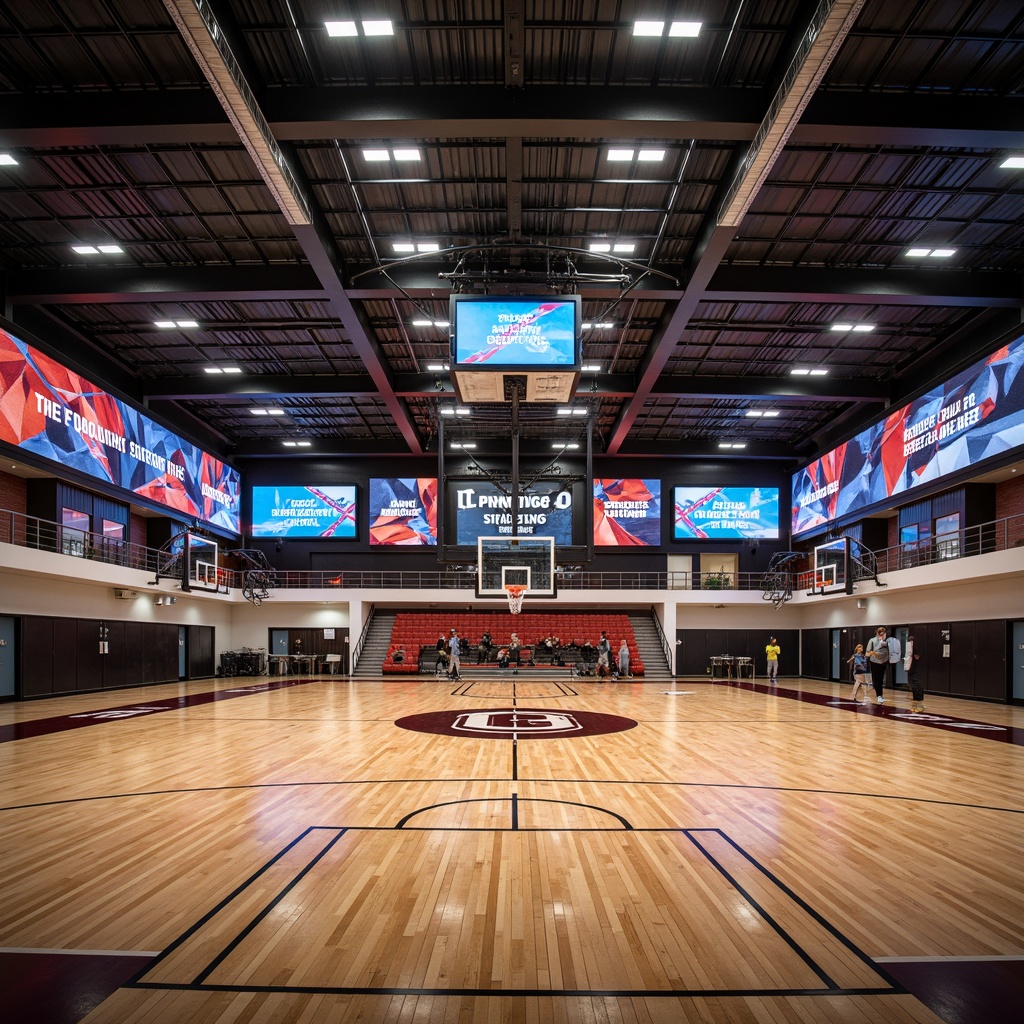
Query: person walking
x=878, y=657
x=772, y=651
x=861, y=673
x=913, y=667
x=453, y=650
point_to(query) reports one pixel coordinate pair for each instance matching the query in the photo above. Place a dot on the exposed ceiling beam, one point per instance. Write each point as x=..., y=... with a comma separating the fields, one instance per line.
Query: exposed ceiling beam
x=460, y=112
x=903, y=287
x=817, y=45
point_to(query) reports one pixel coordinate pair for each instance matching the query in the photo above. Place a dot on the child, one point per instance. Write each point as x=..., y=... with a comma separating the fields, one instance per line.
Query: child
x=503, y=658
x=861, y=673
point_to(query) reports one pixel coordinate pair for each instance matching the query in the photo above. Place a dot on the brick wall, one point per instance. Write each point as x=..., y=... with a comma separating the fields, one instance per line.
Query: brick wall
x=1010, y=502
x=13, y=493
x=137, y=530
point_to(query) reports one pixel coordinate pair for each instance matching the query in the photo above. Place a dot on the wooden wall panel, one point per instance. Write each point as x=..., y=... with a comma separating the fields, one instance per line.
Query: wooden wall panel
x=89, y=660
x=991, y=643
x=961, y=659
x=816, y=653
x=36, y=650
x=115, y=663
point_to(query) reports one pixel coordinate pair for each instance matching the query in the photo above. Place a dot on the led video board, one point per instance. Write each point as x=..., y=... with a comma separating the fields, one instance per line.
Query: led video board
x=482, y=509
x=304, y=512
x=403, y=512
x=57, y=414
x=627, y=513
x=515, y=332
x=974, y=416
x=725, y=513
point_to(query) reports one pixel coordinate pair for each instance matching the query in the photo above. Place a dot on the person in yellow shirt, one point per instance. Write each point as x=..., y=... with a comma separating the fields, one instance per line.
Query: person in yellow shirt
x=773, y=651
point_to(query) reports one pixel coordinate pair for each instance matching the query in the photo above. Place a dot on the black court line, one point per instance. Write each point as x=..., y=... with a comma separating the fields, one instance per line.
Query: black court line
x=140, y=709
x=828, y=989
x=983, y=730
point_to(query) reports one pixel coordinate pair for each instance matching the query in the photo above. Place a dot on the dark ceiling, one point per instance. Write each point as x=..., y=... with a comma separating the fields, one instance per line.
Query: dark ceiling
x=806, y=148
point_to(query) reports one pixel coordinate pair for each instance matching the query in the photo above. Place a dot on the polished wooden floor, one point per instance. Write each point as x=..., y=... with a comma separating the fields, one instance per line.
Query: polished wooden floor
x=288, y=853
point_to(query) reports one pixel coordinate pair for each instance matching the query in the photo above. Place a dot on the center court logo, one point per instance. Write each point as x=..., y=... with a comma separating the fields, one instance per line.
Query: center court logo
x=516, y=723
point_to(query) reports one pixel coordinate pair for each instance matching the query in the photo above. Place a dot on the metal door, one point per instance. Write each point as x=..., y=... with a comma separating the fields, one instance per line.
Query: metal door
x=6, y=656
x=1018, y=660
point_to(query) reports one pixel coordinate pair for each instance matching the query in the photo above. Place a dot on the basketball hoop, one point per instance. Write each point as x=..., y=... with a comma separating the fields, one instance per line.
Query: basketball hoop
x=516, y=593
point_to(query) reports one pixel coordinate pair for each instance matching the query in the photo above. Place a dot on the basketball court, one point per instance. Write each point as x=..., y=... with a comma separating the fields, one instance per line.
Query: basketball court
x=311, y=849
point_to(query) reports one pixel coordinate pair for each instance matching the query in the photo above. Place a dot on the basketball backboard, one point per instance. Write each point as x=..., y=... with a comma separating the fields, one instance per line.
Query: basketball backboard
x=519, y=561
x=832, y=567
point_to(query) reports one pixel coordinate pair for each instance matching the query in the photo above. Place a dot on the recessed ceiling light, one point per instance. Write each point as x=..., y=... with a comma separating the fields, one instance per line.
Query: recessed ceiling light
x=620, y=155
x=212, y=369
x=650, y=155
x=375, y=154
x=404, y=247
x=187, y=324
x=407, y=154
x=6, y=160
x=648, y=28
x=799, y=371
x=165, y=324
x=818, y=373
x=341, y=28
x=110, y=248
x=600, y=247
x=687, y=29
x=1010, y=161
x=941, y=253
x=85, y=249
x=232, y=369
x=918, y=252
x=378, y=28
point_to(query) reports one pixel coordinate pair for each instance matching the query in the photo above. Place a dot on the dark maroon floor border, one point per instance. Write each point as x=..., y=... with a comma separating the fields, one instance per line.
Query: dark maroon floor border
x=982, y=730
x=62, y=723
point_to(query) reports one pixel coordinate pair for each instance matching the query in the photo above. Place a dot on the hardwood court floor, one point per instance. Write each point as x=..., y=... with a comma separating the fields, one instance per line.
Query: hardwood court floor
x=286, y=852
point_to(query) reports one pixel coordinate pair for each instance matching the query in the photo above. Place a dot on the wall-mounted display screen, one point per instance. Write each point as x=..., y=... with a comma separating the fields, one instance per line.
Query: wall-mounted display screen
x=627, y=513
x=403, y=511
x=976, y=415
x=483, y=509
x=725, y=513
x=55, y=413
x=304, y=512
x=540, y=332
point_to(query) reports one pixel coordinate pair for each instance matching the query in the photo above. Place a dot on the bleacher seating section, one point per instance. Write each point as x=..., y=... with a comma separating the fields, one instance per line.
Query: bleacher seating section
x=418, y=632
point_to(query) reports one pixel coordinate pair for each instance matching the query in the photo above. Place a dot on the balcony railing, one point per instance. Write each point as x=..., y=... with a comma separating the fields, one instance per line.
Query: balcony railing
x=31, y=532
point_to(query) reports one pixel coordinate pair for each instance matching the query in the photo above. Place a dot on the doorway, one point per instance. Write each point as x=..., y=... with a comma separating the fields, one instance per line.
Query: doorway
x=902, y=633
x=836, y=673
x=1017, y=655
x=182, y=653
x=6, y=656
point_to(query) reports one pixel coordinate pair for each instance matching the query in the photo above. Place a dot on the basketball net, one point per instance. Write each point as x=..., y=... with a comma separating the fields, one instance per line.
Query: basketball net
x=516, y=593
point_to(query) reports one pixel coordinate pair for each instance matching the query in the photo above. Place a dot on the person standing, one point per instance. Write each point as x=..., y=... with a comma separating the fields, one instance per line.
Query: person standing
x=895, y=656
x=623, y=659
x=913, y=666
x=515, y=652
x=861, y=673
x=878, y=658
x=442, y=644
x=453, y=650
x=772, y=651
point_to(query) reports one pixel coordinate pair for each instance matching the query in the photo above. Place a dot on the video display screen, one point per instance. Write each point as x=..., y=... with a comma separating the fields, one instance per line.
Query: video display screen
x=57, y=414
x=403, y=511
x=974, y=416
x=725, y=513
x=483, y=509
x=304, y=512
x=627, y=513
x=528, y=333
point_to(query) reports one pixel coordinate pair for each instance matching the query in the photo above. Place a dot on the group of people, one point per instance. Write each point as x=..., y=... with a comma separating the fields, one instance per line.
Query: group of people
x=592, y=660
x=880, y=658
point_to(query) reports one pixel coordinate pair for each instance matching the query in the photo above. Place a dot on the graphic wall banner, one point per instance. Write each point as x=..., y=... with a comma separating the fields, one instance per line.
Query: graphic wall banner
x=627, y=513
x=976, y=415
x=49, y=410
x=304, y=512
x=726, y=513
x=403, y=511
x=482, y=509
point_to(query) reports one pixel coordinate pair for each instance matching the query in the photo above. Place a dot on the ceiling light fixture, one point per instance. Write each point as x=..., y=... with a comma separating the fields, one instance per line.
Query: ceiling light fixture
x=624, y=247
x=378, y=28
x=1015, y=162
x=92, y=250
x=684, y=29
x=341, y=29
x=620, y=155
x=732, y=444
x=375, y=154
x=467, y=445
x=565, y=444
x=600, y=247
x=799, y=371
x=406, y=154
x=648, y=28
x=650, y=155
x=6, y=160
x=590, y=368
x=859, y=328
x=818, y=373
x=939, y=253
x=403, y=247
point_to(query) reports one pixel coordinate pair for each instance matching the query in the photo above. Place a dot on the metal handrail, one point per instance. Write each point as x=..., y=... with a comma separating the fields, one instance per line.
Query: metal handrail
x=357, y=650
x=666, y=650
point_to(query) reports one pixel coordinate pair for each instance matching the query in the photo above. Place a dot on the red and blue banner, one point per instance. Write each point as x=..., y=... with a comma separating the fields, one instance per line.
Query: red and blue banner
x=403, y=511
x=327, y=512
x=627, y=513
x=975, y=416
x=57, y=414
